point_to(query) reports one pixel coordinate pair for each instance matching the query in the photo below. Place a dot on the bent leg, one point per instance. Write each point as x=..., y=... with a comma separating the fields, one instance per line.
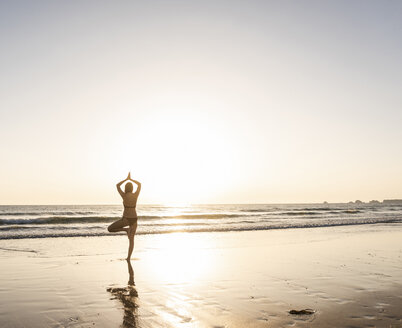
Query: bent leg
x=118, y=225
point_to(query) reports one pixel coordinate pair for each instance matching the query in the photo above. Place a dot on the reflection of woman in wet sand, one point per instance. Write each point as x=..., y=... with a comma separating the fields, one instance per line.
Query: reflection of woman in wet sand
x=130, y=214
x=129, y=298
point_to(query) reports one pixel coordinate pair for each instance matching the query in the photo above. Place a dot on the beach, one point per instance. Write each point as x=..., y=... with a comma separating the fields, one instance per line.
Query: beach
x=349, y=276
x=201, y=164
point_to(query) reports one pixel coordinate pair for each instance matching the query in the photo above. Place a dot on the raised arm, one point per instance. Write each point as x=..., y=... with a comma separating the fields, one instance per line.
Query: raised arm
x=137, y=192
x=120, y=183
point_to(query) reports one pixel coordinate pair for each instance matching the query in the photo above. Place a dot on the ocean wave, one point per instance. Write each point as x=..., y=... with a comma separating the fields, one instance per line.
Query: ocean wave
x=48, y=227
x=316, y=212
x=58, y=220
x=298, y=213
x=301, y=209
x=95, y=219
x=44, y=213
x=258, y=210
x=215, y=228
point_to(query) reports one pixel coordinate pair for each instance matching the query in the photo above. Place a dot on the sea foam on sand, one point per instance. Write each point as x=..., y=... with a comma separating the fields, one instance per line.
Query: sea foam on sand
x=349, y=276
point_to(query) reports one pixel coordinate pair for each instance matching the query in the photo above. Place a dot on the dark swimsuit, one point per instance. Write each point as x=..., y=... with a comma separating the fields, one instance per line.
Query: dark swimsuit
x=131, y=221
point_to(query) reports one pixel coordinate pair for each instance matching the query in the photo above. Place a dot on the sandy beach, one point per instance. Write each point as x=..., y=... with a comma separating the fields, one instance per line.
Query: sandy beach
x=246, y=155
x=349, y=277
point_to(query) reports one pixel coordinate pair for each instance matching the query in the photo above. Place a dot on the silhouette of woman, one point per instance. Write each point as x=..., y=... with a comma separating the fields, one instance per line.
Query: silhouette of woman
x=130, y=214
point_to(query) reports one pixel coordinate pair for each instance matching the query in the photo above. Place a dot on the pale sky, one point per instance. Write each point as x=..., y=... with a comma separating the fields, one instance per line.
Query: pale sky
x=203, y=101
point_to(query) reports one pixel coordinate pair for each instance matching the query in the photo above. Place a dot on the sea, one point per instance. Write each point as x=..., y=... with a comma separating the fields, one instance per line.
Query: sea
x=54, y=221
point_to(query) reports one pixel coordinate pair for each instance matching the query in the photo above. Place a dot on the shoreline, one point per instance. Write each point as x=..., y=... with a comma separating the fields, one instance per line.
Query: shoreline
x=237, y=279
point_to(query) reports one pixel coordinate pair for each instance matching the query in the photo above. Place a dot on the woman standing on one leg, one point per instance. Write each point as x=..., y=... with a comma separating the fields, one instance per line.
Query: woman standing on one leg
x=130, y=214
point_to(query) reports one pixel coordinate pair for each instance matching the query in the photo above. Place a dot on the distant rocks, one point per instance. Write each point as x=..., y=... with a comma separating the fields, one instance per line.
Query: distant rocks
x=376, y=202
x=392, y=201
x=373, y=202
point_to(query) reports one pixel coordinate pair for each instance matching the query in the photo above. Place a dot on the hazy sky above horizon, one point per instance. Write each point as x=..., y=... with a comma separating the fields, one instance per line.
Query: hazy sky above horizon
x=203, y=101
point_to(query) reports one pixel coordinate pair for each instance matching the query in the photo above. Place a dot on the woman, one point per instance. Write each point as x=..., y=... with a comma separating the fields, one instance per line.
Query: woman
x=130, y=214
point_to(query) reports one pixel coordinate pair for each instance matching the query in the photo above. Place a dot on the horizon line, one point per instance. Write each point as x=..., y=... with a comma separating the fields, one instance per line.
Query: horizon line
x=191, y=204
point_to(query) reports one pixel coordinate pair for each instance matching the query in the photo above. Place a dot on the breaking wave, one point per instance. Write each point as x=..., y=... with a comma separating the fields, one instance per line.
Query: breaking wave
x=18, y=222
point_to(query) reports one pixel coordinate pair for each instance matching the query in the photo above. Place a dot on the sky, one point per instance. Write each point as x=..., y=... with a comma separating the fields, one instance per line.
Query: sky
x=203, y=101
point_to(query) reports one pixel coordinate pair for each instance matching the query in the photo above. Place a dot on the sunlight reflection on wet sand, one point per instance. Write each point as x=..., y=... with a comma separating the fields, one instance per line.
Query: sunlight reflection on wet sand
x=182, y=259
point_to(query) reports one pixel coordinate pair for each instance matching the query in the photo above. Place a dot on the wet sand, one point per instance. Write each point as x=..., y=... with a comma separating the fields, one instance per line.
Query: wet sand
x=349, y=276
